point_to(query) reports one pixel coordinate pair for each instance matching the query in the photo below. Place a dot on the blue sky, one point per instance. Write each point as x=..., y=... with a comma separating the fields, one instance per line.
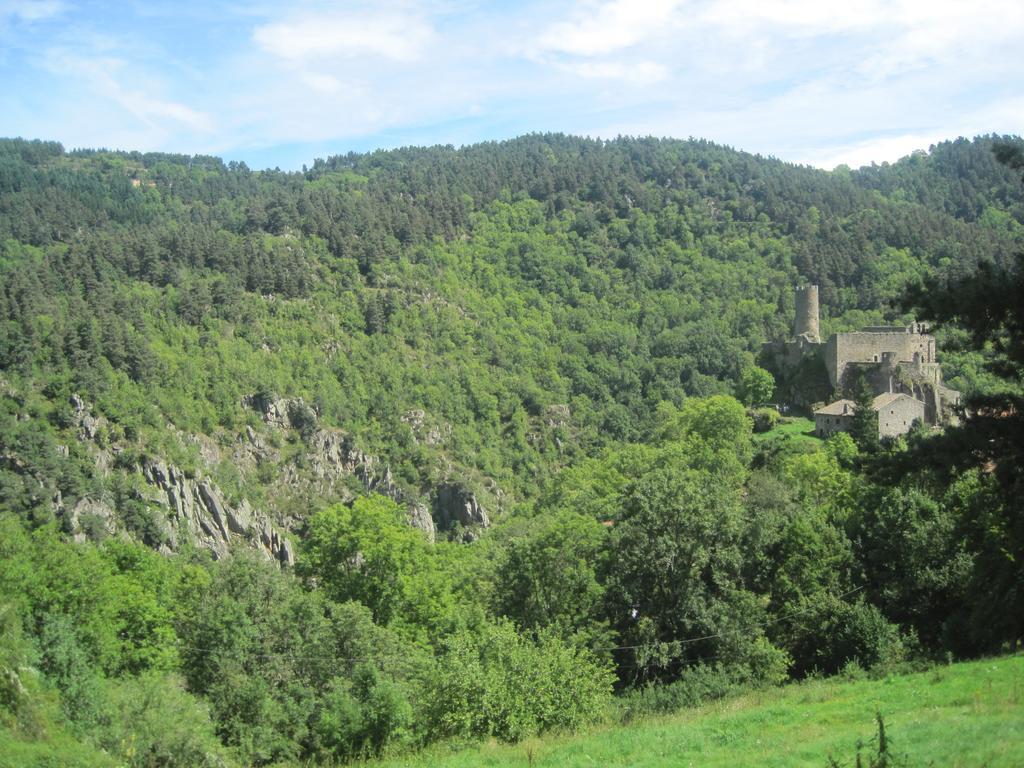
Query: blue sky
x=279, y=84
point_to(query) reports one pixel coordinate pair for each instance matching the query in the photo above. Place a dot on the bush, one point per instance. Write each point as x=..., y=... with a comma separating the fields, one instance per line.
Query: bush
x=359, y=718
x=867, y=636
x=696, y=685
x=765, y=419
x=494, y=682
x=836, y=633
x=155, y=722
x=752, y=665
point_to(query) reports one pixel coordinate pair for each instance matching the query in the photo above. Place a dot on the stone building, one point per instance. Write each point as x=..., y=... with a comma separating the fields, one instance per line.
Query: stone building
x=834, y=417
x=894, y=360
x=896, y=411
x=806, y=325
x=879, y=344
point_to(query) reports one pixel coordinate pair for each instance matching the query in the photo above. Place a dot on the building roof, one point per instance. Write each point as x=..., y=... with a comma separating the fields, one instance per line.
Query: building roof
x=884, y=399
x=838, y=408
x=847, y=407
x=887, y=398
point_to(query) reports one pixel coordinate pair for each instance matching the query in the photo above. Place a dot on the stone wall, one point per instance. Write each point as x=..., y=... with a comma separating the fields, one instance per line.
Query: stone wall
x=807, y=313
x=897, y=417
x=922, y=381
x=861, y=347
x=827, y=424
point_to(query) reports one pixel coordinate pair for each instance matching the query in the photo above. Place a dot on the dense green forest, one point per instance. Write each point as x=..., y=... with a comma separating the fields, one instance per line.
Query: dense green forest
x=449, y=444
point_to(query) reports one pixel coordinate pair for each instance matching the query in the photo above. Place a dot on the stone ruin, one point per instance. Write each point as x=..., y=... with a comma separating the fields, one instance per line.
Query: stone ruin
x=891, y=359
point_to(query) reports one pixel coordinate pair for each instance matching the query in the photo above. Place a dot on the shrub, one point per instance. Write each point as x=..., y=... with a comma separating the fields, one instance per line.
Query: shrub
x=837, y=633
x=359, y=718
x=867, y=636
x=752, y=665
x=765, y=419
x=494, y=682
x=696, y=685
x=154, y=722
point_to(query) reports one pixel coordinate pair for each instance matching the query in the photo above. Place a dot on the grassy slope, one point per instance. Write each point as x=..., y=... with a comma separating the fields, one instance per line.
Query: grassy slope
x=48, y=750
x=968, y=714
x=794, y=428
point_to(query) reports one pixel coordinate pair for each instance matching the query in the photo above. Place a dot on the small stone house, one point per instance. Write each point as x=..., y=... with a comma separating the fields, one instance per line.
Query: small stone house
x=896, y=411
x=834, y=417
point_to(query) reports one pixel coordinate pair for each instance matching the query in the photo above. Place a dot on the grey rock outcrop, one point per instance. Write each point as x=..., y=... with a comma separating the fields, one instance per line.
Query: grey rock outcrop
x=454, y=503
x=169, y=509
x=558, y=415
x=198, y=507
x=420, y=517
x=333, y=455
x=186, y=509
x=332, y=458
x=281, y=412
x=423, y=432
x=251, y=450
x=88, y=425
x=332, y=464
x=87, y=513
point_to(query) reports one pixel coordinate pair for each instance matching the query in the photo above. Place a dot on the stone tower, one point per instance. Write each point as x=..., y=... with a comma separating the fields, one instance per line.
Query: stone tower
x=807, y=313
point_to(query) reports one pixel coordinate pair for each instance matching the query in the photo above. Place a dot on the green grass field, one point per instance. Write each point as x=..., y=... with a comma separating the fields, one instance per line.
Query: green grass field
x=965, y=715
x=790, y=428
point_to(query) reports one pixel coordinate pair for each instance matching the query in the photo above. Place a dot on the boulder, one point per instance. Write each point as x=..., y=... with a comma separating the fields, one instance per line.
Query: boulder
x=88, y=425
x=420, y=517
x=86, y=516
x=454, y=503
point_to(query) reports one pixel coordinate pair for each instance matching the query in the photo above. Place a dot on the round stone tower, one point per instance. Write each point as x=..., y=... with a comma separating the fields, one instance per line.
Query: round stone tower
x=807, y=313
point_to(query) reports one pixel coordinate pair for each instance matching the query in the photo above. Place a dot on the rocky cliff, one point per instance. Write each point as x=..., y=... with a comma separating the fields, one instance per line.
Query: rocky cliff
x=184, y=509
x=197, y=508
x=182, y=506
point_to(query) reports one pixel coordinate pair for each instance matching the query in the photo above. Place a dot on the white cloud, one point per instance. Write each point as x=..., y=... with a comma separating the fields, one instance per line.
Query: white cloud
x=101, y=75
x=797, y=16
x=821, y=17
x=898, y=35
x=944, y=32
x=346, y=55
x=32, y=10
x=819, y=81
x=881, y=149
x=395, y=36
x=607, y=28
x=642, y=72
x=321, y=82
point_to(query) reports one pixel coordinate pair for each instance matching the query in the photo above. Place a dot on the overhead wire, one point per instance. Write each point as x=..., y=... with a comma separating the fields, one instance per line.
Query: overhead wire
x=715, y=636
x=183, y=647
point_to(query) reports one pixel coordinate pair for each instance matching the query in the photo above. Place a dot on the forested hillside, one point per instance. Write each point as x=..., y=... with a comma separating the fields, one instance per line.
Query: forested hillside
x=455, y=443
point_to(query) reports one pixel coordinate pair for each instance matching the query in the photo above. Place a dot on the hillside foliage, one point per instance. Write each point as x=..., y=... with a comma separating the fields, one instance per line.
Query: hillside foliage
x=566, y=328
